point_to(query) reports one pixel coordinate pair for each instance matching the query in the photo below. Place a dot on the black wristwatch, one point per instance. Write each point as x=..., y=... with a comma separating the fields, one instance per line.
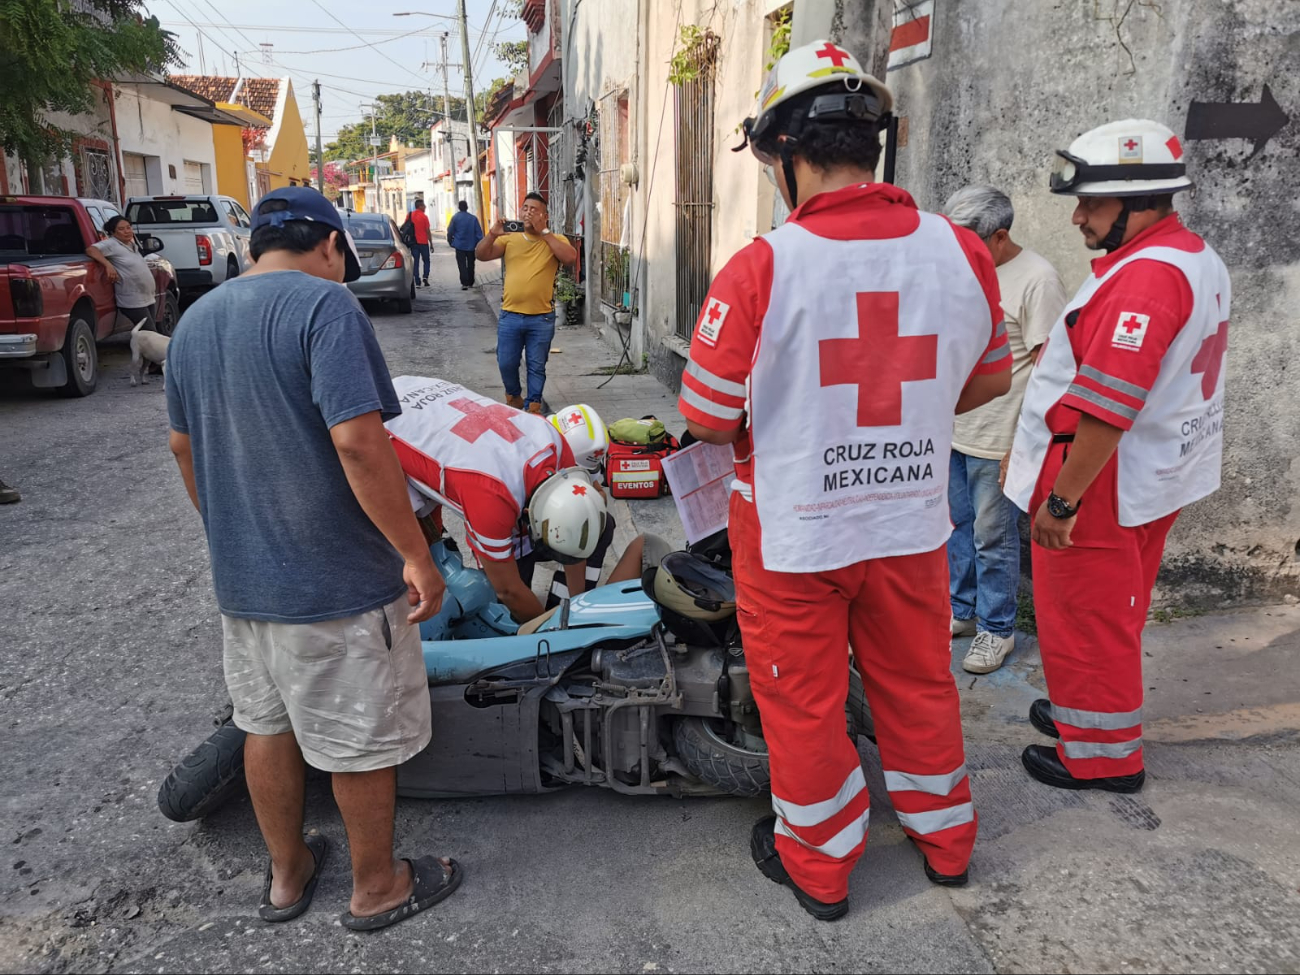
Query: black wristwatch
x=1058, y=507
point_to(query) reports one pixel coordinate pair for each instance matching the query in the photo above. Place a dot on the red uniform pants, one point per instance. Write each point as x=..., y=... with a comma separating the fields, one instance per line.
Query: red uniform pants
x=1091, y=601
x=797, y=629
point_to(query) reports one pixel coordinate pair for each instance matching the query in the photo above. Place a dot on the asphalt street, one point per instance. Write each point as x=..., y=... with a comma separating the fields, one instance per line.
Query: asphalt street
x=110, y=672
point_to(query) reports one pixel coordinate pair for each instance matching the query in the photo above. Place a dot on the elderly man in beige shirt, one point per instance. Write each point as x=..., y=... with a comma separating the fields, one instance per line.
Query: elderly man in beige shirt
x=984, y=550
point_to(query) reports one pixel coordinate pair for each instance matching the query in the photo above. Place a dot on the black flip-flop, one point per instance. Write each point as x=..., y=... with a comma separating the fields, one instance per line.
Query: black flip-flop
x=432, y=884
x=762, y=847
x=267, y=911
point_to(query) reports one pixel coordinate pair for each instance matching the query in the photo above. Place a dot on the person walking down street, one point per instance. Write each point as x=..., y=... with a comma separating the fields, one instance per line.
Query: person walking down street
x=134, y=289
x=463, y=234
x=833, y=353
x=527, y=322
x=1122, y=427
x=984, y=550
x=277, y=392
x=420, y=230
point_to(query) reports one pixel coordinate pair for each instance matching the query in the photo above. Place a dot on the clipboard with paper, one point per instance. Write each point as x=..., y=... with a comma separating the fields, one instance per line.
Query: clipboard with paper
x=700, y=477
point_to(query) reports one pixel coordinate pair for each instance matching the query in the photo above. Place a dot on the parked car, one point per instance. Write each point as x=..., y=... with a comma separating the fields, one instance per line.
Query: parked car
x=387, y=271
x=206, y=236
x=55, y=302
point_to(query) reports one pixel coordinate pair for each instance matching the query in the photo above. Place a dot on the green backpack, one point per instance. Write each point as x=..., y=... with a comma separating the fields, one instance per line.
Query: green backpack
x=641, y=432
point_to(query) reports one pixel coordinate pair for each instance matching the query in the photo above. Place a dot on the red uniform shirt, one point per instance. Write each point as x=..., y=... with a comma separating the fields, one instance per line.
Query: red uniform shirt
x=420, y=223
x=718, y=369
x=1117, y=372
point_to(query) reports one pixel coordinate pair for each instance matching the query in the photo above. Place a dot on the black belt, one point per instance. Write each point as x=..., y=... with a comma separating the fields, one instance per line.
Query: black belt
x=1062, y=438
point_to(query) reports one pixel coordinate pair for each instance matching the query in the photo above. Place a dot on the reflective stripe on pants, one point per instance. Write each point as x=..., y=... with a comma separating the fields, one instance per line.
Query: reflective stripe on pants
x=1091, y=602
x=797, y=628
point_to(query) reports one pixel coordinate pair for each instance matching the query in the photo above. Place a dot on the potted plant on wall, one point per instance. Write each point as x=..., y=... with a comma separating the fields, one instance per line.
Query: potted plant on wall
x=618, y=283
x=569, y=298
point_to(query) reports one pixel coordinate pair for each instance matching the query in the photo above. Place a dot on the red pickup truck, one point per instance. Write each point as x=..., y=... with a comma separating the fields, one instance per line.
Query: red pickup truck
x=55, y=302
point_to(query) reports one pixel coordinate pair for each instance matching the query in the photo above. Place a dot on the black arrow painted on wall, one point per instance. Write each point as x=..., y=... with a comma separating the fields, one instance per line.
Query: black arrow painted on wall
x=1256, y=121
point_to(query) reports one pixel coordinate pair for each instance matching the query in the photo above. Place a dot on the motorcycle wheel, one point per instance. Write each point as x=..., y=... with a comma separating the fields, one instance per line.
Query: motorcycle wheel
x=205, y=778
x=857, y=714
x=729, y=768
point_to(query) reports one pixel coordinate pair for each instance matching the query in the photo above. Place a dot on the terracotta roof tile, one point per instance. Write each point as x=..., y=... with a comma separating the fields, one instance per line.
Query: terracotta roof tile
x=259, y=94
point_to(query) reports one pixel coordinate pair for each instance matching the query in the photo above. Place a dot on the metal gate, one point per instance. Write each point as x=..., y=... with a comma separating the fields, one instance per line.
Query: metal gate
x=694, y=199
x=98, y=174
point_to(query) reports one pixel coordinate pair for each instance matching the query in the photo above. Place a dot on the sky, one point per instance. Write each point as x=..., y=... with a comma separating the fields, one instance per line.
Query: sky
x=306, y=36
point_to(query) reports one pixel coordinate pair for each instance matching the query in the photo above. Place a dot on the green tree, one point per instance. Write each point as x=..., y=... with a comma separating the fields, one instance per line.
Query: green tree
x=514, y=55
x=407, y=115
x=51, y=52
x=485, y=95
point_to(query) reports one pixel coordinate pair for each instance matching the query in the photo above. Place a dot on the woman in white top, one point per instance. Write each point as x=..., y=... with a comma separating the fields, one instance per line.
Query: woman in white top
x=133, y=283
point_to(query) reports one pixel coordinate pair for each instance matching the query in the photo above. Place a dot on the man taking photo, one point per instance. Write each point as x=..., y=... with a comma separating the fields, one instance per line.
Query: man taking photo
x=527, y=322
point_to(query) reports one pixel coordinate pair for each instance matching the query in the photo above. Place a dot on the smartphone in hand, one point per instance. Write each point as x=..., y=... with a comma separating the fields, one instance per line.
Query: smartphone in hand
x=514, y=226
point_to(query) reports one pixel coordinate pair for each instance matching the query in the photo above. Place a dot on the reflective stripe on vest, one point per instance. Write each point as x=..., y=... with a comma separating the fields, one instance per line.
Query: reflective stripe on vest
x=935, y=785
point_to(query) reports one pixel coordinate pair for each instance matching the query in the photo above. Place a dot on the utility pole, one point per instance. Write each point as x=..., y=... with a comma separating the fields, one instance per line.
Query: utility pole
x=446, y=121
x=320, y=159
x=374, y=146
x=469, y=108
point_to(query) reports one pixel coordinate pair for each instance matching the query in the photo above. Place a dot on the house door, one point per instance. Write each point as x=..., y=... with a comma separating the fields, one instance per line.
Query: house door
x=137, y=182
x=193, y=177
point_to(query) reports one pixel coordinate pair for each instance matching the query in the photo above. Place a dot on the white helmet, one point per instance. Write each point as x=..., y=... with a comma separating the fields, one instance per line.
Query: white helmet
x=818, y=81
x=586, y=433
x=566, y=516
x=1136, y=157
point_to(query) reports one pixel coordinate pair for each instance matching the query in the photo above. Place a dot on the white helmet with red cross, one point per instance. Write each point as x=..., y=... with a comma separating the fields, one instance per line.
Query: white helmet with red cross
x=585, y=432
x=1135, y=157
x=566, y=516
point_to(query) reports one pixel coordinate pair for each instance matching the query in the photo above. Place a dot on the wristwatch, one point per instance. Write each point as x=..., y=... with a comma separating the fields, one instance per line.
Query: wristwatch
x=1058, y=507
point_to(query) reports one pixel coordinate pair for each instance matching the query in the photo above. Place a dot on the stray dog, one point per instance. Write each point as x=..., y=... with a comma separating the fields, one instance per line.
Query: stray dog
x=146, y=347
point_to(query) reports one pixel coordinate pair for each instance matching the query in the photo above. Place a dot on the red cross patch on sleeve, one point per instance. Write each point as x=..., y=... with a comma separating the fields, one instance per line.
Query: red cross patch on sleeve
x=1130, y=331
x=711, y=321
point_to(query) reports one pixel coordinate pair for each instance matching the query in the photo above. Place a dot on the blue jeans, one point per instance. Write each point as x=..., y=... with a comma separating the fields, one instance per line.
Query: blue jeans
x=984, y=550
x=516, y=334
x=418, y=252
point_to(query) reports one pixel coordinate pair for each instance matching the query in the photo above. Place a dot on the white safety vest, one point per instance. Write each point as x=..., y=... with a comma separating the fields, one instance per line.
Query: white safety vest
x=1173, y=455
x=863, y=352
x=455, y=429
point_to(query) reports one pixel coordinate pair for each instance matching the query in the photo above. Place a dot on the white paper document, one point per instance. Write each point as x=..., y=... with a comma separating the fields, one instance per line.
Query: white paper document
x=701, y=477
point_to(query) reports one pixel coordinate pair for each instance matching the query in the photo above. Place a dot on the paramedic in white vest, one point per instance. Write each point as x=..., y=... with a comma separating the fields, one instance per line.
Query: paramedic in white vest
x=514, y=480
x=832, y=354
x=1122, y=426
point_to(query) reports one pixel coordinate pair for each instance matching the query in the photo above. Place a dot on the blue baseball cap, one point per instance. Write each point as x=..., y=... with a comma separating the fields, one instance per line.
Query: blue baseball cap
x=306, y=203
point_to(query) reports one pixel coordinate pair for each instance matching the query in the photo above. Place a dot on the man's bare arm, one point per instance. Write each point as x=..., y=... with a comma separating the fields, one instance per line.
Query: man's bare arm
x=180, y=445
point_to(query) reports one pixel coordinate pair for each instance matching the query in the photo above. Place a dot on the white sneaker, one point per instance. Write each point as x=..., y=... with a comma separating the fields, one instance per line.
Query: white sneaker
x=987, y=652
x=964, y=627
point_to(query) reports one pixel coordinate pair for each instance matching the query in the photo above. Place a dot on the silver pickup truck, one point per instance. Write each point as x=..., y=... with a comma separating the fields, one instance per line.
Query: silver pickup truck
x=206, y=236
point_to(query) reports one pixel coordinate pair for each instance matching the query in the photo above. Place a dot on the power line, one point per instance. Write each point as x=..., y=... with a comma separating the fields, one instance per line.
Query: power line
x=327, y=12
x=356, y=47
x=367, y=31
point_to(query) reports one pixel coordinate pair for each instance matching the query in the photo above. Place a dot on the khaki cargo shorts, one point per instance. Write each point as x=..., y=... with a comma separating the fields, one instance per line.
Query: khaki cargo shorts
x=354, y=691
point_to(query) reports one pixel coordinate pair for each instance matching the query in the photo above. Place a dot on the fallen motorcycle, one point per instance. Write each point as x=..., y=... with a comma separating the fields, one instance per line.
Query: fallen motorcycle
x=612, y=689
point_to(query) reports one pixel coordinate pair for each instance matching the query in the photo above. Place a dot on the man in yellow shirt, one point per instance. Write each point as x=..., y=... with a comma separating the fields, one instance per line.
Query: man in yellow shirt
x=527, y=320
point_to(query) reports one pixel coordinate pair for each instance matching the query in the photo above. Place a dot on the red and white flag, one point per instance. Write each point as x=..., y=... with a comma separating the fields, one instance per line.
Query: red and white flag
x=913, y=33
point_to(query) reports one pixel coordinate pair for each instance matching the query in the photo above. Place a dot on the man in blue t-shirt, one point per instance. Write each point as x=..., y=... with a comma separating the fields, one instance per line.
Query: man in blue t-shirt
x=277, y=394
x=463, y=234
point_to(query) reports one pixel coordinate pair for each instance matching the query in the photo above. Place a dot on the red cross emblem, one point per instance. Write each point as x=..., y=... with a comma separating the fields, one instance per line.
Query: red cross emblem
x=837, y=55
x=580, y=490
x=1131, y=324
x=575, y=418
x=879, y=360
x=1130, y=145
x=714, y=312
x=1209, y=359
x=479, y=419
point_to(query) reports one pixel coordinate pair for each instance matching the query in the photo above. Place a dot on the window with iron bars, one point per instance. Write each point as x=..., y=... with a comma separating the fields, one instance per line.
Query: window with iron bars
x=615, y=255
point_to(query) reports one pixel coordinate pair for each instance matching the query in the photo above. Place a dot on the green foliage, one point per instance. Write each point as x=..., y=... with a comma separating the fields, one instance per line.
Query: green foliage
x=1026, y=618
x=482, y=98
x=780, y=46
x=51, y=52
x=617, y=260
x=694, y=52
x=407, y=115
x=514, y=54
x=567, y=290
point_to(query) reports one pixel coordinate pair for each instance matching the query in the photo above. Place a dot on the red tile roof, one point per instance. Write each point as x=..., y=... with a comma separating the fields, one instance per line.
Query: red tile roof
x=259, y=94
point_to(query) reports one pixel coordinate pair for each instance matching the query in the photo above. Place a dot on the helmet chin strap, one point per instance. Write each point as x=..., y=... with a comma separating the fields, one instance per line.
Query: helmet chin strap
x=787, y=166
x=1116, y=236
